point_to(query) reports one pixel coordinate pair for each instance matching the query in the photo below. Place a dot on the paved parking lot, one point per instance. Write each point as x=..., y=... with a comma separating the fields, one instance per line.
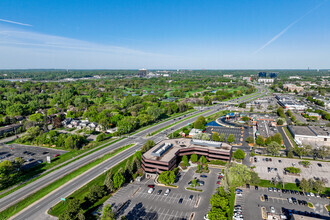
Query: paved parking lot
x=143, y=205
x=237, y=132
x=251, y=203
x=313, y=171
x=32, y=153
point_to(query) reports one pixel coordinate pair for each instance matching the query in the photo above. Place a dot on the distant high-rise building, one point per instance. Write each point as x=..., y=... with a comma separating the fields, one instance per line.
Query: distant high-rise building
x=142, y=73
x=262, y=74
x=272, y=75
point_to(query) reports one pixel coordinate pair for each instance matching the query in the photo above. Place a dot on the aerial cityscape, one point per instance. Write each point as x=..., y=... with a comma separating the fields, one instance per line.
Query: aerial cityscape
x=165, y=110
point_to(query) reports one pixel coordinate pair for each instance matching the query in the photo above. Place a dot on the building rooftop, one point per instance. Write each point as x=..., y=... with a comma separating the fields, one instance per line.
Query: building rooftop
x=310, y=130
x=167, y=149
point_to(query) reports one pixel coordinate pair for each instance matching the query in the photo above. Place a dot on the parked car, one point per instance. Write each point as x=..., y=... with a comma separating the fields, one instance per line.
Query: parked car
x=203, y=176
x=180, y=200
x=151, y=186
x=167, y=192
x=159, y=192
x=266, y=197
x=280, y=161
x=256, y=187
x=290, y=200
x=56, y=155
x=150, y=190
x=45, y=152
x=294, y=200
x=200, y=182
x=272, y=209
x=191, y=197
x=319, y=164
x=218, y=182
x=270, y=189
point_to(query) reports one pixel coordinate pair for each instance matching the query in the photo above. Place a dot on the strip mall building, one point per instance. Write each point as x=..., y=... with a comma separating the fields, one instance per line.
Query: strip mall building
x=166, y=154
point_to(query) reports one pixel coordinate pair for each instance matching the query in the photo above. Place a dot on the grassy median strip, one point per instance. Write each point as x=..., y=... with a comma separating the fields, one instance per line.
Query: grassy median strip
x=168, y=126
x=78, y=154
x=164, y=120
x=64, y=164
x=80, y=194
x=49, y=188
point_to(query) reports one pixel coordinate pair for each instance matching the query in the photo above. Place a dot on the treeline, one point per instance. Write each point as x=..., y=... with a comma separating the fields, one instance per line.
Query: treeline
x=35, y=135
x=80, y=208
x=61, y=74
x=316, y=101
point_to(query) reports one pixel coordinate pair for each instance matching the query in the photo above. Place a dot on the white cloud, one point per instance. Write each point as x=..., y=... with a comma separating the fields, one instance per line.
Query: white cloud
x=15, y=22
x=287, y=28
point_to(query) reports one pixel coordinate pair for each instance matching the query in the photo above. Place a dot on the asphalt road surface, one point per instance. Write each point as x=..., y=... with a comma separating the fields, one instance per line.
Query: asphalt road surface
x=39, y=208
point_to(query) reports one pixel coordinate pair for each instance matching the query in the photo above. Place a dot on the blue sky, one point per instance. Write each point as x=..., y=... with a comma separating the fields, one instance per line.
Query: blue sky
x=217, y=34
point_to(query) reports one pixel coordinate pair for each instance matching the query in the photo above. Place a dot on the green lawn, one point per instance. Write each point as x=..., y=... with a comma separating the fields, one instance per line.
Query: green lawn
x=49, y=188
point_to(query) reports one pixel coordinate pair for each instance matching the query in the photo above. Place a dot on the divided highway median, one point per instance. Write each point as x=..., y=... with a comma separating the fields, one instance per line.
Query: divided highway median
x=12, y=210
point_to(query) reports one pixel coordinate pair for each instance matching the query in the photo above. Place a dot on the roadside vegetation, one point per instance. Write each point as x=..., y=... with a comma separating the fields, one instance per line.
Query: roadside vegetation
x=49, y=188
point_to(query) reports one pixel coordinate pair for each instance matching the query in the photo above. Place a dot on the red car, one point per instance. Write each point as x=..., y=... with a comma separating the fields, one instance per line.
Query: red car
x=57, y=155
x=219, y=177
x=218, y=182
x=151, y=186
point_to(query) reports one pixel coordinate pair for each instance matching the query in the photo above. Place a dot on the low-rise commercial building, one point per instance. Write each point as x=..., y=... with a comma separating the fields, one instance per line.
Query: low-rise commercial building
x=293, y=88
x=290, y=103
x=266, y=80
x=312, y=135
x=166, y=154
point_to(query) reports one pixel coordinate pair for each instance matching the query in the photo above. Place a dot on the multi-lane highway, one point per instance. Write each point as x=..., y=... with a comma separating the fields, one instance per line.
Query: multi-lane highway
x=39, y=208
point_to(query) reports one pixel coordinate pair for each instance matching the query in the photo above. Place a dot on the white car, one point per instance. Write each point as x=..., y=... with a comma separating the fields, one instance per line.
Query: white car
x=272, y=209
x=206, y=217
x=150, y=190
x=312, y=194
x=167, y=192
x=239, y=193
